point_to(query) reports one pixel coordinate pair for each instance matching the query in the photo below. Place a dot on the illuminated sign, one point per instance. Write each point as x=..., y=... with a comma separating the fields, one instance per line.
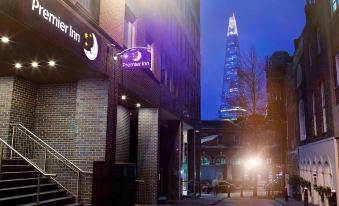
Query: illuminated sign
x=137, y=58
x=89, y=42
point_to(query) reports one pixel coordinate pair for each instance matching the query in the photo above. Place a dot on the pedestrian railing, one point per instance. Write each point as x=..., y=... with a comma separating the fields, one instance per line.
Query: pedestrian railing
x=18, y=154
x=48, y=160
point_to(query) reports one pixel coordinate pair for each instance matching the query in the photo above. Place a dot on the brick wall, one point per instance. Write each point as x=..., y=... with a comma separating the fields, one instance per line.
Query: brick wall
x=148, y=158
x=123, y=134
x=23, y=102
x=90, y=119
x=55, y=116
x=6, y=90
x=112, y=16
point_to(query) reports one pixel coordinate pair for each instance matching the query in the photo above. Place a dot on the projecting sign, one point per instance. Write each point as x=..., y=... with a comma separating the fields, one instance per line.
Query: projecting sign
x=138, y=58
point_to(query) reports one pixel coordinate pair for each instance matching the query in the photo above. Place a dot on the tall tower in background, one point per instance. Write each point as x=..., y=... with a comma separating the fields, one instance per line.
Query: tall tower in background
x=229, y=106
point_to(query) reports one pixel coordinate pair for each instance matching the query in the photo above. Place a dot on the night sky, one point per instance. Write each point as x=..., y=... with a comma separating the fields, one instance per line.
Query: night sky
x=267, y=25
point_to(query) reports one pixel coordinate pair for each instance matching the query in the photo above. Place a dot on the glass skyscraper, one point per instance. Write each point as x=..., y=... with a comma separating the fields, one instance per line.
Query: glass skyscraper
x=230, y=106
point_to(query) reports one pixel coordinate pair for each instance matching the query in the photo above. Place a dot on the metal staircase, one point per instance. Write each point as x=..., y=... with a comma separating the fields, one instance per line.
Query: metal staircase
x=33, y=173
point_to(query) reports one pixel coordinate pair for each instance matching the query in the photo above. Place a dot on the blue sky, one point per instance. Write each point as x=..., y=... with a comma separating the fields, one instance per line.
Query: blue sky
x=267, y=25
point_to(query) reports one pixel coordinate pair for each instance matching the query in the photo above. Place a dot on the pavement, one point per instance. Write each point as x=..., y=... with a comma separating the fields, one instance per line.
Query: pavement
x=205, y=199
x=291, y=202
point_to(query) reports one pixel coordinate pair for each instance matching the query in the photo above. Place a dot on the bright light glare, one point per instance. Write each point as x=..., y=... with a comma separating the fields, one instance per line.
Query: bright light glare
x=123, y=97
x=254, y=162
x=51, y=63
x=4, y=39
x=138, y=105
x=17, y=65
x=34, y=64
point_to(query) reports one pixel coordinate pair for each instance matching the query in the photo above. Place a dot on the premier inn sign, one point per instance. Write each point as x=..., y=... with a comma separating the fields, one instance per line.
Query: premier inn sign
x=89, y=42
x=55, y=20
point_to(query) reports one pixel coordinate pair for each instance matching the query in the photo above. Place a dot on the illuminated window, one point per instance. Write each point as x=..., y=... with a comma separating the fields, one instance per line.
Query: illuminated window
x=302, y=121
x=205, y=160
x=334, y=5
x=129, y=33
x=314, y=116
x=337, y=67
x=151, y=49
x=220, y=160
x=323, y=107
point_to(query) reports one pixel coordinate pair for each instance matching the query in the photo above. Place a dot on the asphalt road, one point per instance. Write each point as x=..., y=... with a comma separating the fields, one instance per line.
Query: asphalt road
x=248, y=202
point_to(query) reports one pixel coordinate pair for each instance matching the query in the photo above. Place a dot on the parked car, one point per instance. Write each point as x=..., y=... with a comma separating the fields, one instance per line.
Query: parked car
x=206, y=187
x=224, y=185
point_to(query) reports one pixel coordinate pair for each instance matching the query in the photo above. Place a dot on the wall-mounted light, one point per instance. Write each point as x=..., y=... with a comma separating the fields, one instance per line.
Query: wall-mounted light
x=51, y=63
x=18, y=65
x=4, y=39
x=138, y=105
x=123, y=97
x=34, y=64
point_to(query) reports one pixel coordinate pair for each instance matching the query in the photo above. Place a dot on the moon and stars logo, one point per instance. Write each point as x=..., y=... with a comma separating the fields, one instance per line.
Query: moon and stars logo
x=91, y=46
x=136, y=56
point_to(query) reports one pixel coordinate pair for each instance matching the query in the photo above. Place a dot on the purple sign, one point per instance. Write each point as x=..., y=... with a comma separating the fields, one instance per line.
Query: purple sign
x=138, y=58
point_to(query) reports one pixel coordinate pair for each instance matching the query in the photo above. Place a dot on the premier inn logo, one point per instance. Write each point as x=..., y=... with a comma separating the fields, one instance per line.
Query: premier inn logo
x=90, y=45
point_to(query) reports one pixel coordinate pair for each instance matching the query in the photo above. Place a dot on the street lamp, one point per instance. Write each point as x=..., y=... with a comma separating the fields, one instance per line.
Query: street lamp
x=253, y=165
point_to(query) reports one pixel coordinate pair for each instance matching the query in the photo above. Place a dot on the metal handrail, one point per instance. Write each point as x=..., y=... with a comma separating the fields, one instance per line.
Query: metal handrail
x=49, y=150
x=49, y=147
x=27, y=160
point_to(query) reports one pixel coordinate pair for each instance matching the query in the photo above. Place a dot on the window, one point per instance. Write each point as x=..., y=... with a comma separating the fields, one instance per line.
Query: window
x=310, y=55
x=220, y=140
x=151, y=49
x=337, y=67
x=299, y=75
x=205, y=160
x=302, y=123
x=314, y=116
x=220, y=160
x=92, y=6
x=334, y=5
x=130, y=33
x=318, y=41
x=323, y=107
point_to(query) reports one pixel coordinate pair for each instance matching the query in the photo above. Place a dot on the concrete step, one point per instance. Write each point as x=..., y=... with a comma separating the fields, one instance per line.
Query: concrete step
x=54, y=202
x=22, y=182
x=30, y=198
x=16, y=168
x=21, y=190
x=18, y=175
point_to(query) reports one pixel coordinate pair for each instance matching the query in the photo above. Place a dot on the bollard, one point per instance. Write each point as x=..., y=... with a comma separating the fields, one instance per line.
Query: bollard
x=241, y=192
x=228, y=191
x=305, y=197
x=286, y=194
x=333, y=198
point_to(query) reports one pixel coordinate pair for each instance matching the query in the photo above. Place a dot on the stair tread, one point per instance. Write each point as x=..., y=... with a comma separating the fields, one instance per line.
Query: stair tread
x=16, y=166
x=16, y=172
x=30, y=194
x=49, y=200
x=22, y=187
x=21, y=179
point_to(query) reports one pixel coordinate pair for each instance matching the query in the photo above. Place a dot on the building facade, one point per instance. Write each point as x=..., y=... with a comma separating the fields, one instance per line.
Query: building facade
x=61, y=78
x=312, y=100
x=229, y=105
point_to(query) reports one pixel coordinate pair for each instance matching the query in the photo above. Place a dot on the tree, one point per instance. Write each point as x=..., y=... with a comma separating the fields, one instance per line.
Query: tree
x=252, y=83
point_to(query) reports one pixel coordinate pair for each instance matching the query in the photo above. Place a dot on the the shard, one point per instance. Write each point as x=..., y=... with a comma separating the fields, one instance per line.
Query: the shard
x=230, y=106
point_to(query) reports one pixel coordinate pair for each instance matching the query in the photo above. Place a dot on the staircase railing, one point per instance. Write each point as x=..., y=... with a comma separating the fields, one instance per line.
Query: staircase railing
x=41, y=172
x=68, y=175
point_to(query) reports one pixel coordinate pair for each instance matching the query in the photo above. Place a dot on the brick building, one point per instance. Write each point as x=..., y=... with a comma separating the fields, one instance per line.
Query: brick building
x=227, y=148
x=312, y=99
x=86, y=107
